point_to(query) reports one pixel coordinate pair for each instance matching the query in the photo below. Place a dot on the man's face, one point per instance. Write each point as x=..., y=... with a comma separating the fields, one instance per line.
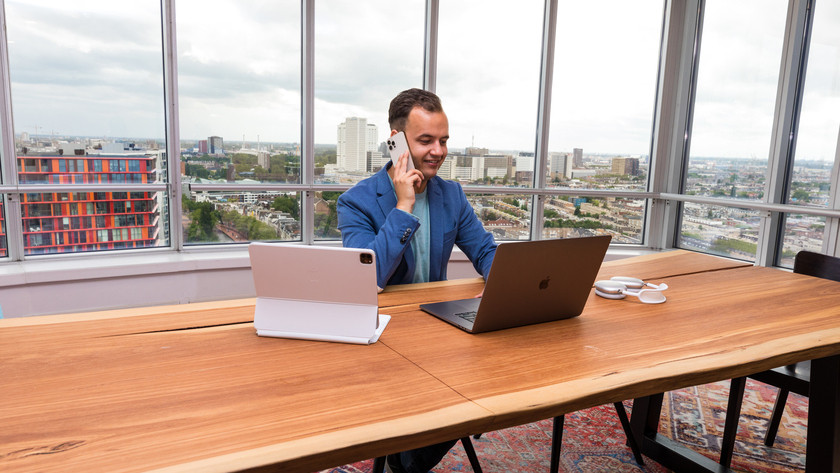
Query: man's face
x=427, y=133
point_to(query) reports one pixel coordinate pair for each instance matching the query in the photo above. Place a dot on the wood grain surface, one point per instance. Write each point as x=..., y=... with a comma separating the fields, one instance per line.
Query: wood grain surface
x=192, y=388
x=136, y=402
x=714, y=325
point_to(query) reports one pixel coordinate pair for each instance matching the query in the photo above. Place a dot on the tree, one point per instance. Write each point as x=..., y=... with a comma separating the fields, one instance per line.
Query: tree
x=203, y=220
x=801, y=195
x=287, y=204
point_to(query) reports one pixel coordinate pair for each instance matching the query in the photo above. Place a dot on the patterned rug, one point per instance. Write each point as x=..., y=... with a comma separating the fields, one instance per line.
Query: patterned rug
x=593, y=440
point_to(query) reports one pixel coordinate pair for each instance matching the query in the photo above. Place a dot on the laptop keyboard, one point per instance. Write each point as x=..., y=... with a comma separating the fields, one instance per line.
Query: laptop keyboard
x=470, y=316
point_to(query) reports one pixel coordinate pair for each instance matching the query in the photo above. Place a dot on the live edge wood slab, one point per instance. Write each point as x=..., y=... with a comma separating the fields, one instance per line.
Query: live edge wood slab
x=192, y=388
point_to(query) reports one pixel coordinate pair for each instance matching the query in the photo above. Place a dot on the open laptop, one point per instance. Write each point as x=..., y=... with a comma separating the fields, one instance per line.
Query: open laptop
x=530, y=282
x=316, y=293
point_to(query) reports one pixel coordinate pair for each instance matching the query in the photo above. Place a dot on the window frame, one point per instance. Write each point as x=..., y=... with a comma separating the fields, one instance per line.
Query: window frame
x=670, y=140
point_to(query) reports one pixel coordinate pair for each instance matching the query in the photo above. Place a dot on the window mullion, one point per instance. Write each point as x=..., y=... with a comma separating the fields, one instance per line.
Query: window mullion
x=779, y=169
x=431, y=45
x=544, y=114
x=11, y=207
x=173, y=134
x=307, y=149
x=671, y=119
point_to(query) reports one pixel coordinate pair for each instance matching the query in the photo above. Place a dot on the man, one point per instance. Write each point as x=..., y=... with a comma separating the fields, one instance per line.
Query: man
x=411, y=218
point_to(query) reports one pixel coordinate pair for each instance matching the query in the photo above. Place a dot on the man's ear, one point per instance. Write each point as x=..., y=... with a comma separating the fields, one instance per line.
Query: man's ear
x=393, y=132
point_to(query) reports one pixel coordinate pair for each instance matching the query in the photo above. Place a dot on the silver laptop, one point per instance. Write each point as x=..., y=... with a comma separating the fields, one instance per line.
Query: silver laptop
x=316, y=293
x=530, y=282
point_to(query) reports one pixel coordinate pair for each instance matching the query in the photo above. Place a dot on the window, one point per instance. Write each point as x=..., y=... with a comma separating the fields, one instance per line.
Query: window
x=488, y=80
x=816, y=140
x=603, y=96
x=81, y=72
x=364, y=57
x=737, y=80
x=240, y=96
x=267, y=146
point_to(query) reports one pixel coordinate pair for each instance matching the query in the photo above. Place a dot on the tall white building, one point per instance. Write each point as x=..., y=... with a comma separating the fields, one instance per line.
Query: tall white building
x=559, y=164
x=355, y=138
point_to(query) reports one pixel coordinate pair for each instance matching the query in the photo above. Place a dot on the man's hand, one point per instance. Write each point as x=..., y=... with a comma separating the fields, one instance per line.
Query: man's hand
x=406, y=182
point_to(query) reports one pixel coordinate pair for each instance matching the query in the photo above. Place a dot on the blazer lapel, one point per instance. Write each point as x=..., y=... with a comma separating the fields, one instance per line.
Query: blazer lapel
x=385, y=196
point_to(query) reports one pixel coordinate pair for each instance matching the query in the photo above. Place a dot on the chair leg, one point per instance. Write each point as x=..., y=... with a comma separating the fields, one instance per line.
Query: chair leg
x=378, y=464
x=631, y=440
x=470, y=450
x=556, y=443
x=733, y=415
x=776, y=418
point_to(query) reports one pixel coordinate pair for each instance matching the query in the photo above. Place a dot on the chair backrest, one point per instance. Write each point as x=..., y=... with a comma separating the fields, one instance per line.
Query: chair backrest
x=818, y=265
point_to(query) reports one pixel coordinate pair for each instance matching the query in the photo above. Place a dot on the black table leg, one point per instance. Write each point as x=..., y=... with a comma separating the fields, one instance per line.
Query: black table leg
x=822, y=451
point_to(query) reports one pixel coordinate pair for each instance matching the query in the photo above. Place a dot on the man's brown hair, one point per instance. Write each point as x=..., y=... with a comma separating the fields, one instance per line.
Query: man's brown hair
x=405, y=102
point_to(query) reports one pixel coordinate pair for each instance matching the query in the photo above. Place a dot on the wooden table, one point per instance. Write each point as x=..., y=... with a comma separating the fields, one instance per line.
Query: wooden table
x=191, y=388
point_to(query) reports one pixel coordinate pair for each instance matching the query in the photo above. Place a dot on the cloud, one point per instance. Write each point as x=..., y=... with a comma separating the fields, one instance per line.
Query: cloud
x=94, y=67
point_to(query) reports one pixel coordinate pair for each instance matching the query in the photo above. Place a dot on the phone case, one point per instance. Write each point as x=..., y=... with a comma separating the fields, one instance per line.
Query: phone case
x=397, y=145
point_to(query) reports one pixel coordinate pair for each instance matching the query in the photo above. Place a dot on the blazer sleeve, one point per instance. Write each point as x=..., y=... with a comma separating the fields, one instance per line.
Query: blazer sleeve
x=361, y=226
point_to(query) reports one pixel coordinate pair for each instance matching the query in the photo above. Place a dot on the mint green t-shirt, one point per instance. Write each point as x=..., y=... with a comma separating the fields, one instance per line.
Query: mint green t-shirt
x=420, y=242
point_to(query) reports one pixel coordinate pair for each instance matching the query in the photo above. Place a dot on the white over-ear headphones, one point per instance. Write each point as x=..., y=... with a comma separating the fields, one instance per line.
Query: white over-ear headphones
x=619, y=287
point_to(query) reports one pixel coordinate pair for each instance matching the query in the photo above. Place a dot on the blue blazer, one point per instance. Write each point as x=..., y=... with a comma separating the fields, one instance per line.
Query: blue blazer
x=368, y=218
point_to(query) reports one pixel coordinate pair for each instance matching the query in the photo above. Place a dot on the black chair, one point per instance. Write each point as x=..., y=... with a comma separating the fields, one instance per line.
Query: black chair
x=794, y=378
x=379, y=462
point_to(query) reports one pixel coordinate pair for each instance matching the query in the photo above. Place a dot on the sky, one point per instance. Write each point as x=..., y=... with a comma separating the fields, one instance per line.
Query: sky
x=94, y=68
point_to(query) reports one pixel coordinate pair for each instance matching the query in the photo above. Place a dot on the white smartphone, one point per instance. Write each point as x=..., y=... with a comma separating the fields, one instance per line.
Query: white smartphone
x=397, y=145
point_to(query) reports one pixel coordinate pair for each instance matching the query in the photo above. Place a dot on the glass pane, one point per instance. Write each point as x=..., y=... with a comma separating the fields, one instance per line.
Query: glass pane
x=239, y=90
x=801, y=232
x=507, y=217
x=326, y=216
x=725, y=231
x=87, y=79
x=240, y=216
x=819, y=120
x=603, y=94
x=817, y=136
x=92, y=221
x=737, y=79
x=567, y=217
x=364, y=56
x=488, y=80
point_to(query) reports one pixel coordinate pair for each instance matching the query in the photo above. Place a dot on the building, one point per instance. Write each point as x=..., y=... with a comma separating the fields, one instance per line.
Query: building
x=355, y=138
x=264, y=159
x=215, y=146
x=625, y=166
x=89, y=221
x=559, y=166
x=578, y=157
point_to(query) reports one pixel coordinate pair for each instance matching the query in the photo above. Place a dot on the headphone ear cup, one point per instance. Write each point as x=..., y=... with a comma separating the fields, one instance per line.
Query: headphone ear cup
x=631, y=283
x=610, y=289
x=607, y=295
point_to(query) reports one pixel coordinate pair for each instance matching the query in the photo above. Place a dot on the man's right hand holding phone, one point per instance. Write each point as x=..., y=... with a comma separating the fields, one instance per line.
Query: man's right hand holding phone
x=406, y=181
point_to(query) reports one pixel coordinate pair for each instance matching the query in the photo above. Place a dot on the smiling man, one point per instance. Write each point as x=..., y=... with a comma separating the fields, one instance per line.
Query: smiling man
x=412, y=218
